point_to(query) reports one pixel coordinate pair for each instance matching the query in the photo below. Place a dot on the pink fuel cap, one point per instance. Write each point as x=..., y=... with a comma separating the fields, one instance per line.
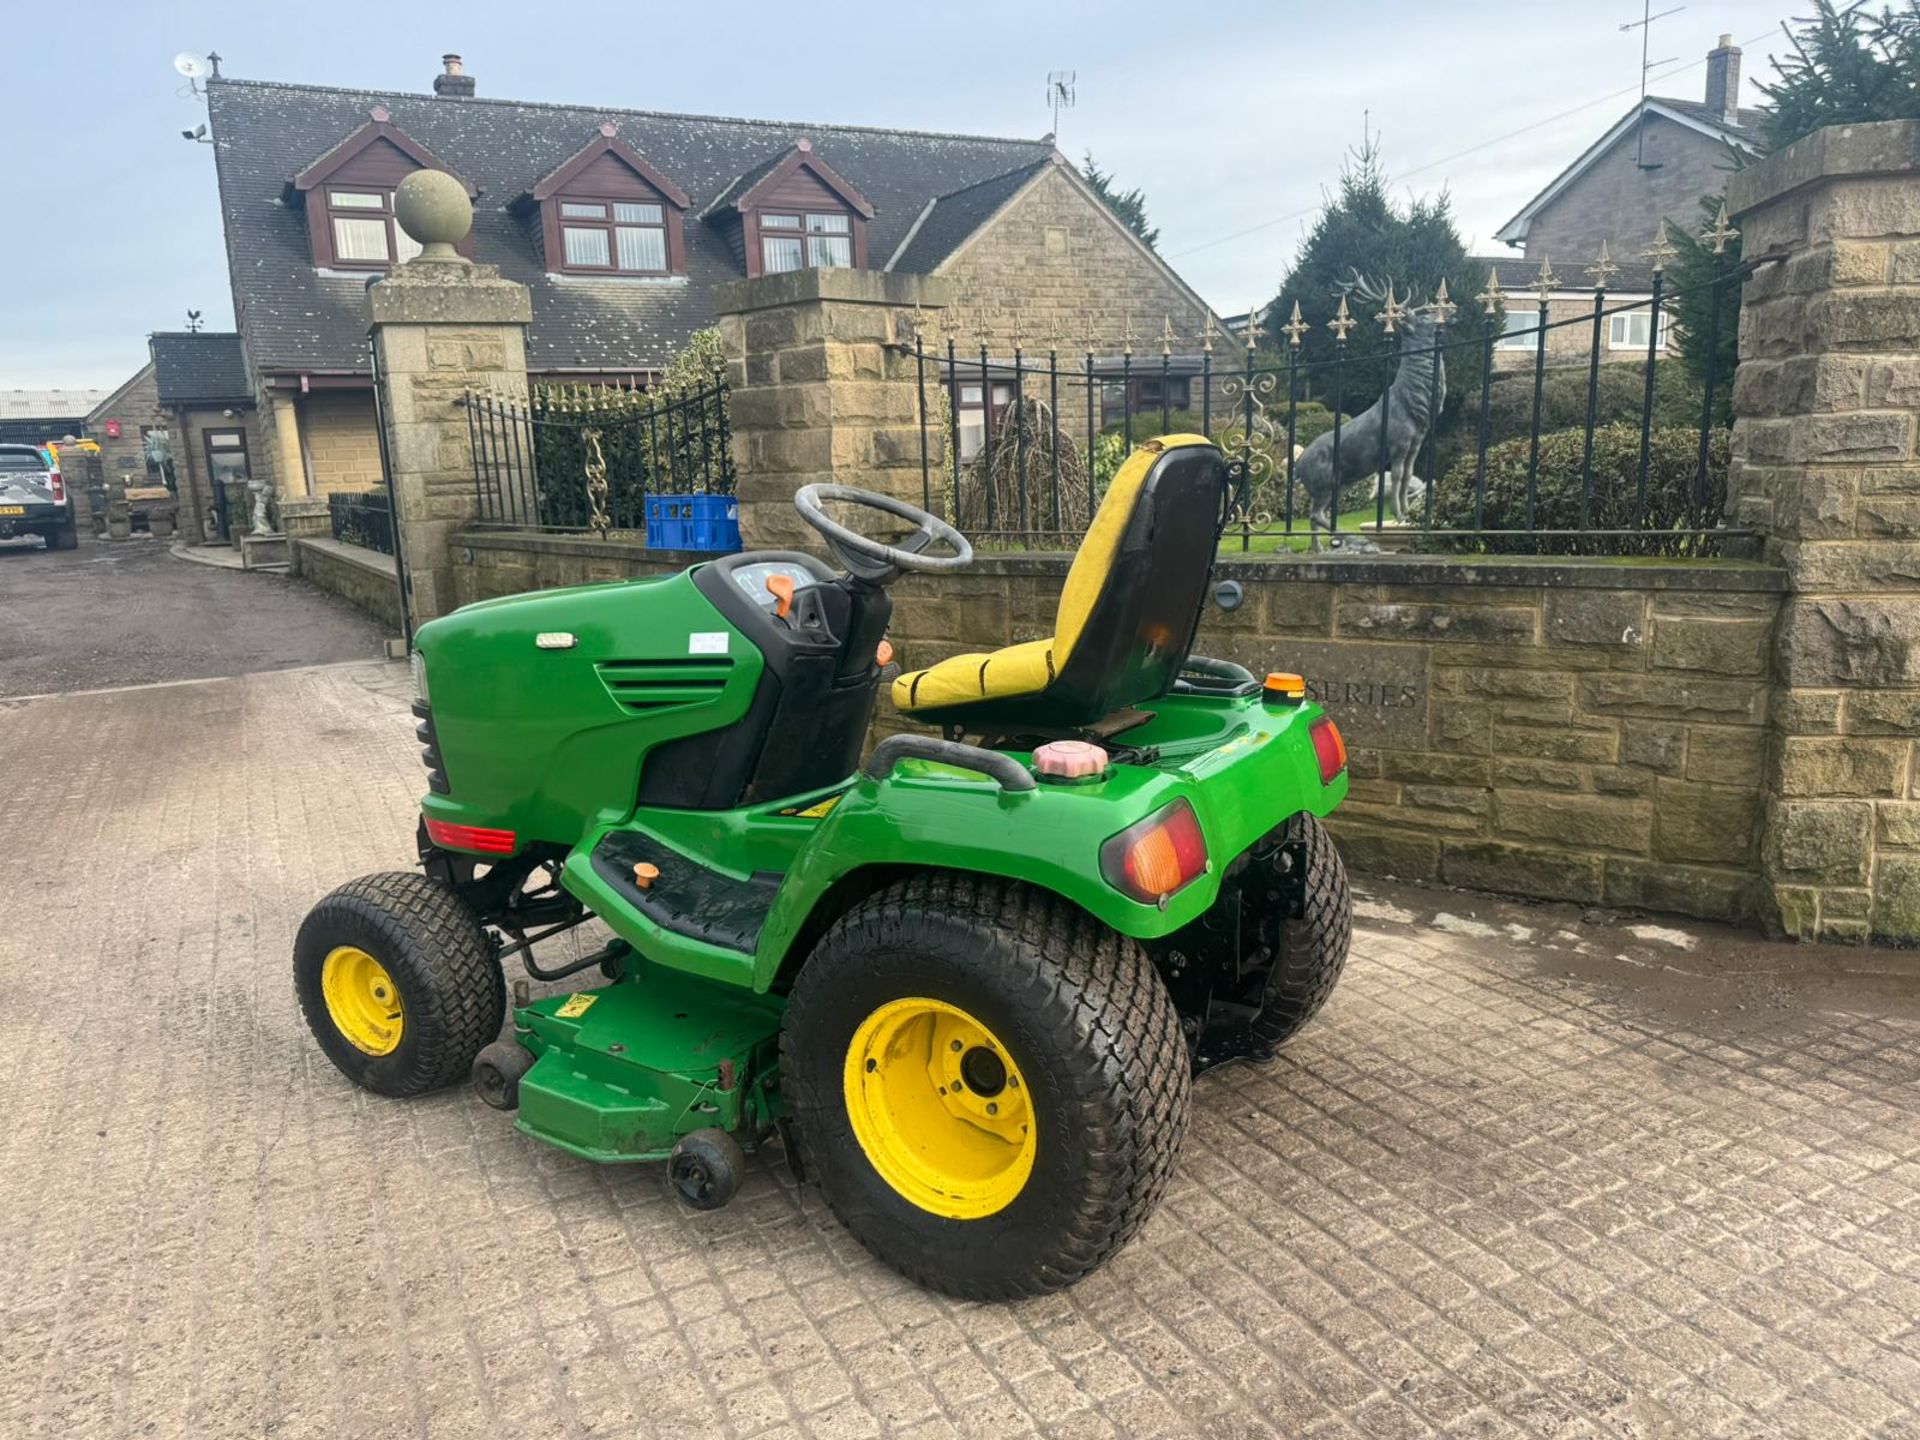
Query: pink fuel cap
x=1069, y=760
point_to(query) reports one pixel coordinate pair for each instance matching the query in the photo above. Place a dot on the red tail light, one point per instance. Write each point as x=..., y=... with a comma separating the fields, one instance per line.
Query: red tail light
x=1156, y=857
x=1330, y=748
x=470, y=837
x=59, y=488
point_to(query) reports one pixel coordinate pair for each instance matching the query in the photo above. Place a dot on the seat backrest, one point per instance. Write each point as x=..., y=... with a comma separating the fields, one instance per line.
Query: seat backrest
x=1132, y=600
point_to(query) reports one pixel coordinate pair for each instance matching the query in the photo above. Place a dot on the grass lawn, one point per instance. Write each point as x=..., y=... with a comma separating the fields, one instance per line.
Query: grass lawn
x=1273, y=543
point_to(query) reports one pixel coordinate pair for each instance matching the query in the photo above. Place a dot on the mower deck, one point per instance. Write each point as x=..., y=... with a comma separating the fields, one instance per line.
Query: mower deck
x=625, y=1070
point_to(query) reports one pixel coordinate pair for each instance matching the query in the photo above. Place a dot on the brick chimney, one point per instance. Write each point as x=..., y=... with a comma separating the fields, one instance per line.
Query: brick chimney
x=456, y=84
x=1723, y=81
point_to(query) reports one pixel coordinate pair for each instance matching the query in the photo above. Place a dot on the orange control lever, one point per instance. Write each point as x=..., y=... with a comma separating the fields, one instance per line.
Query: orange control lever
x=781, y=588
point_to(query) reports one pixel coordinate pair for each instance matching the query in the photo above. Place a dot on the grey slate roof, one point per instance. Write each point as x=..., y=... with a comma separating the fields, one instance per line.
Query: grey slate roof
x=296, y=318
x=199, y=369
x=744, y=182
x=1747, y=120
x=956, y=215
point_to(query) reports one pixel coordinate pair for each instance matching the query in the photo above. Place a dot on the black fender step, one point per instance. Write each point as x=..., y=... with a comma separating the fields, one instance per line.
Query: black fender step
x=686, y=897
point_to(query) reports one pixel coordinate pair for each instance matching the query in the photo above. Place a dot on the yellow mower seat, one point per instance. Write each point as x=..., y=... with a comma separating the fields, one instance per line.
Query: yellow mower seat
x=1127, y=612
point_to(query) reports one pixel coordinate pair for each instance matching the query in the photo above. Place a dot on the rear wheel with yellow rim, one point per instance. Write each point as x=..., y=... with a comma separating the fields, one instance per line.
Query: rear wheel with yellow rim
x=990, y=1086
x=398, y=983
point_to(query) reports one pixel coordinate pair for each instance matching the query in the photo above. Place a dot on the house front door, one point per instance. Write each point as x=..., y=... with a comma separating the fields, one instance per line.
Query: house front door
x=226, y=465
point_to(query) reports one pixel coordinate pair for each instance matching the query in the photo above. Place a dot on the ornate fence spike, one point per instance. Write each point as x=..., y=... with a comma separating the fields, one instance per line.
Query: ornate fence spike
x=1720, y=232
x=1167, y=337
x=1602, y=270
x=1126, y=336
x=1492, y=298
x=1296, y=328
x=1207, y=331
x=1441, y=307
x=1547, y=280
x=1661, y=252
x=1392, y=312
x=1254, y=329
x=1341, y=322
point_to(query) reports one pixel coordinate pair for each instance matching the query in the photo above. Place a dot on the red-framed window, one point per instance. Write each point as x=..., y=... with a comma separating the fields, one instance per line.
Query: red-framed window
x=808, y=239
x=361, y=231
x=612, y=237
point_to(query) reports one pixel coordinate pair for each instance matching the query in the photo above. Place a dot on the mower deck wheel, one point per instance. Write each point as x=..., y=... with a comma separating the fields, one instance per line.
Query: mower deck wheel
x=706, y=1168
x=497, y=1071
x=398, y=983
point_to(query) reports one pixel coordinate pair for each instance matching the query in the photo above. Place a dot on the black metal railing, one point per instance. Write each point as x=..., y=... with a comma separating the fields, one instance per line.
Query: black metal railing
x=1564, y=455
x=577, y=457
x=362, y=518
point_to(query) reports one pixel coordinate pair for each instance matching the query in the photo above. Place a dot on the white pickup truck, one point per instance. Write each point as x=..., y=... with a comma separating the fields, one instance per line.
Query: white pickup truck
x=34, y=499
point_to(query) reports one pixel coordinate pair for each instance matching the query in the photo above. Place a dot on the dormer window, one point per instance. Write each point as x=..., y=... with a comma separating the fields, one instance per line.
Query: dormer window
x=821, y=240
x=364, y=230
x=348, y=197
x=793, y=211
x=607, y=212
x=621, y=237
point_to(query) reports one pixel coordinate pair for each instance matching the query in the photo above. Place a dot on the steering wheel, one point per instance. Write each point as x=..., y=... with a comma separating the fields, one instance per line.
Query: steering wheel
x=866, y=557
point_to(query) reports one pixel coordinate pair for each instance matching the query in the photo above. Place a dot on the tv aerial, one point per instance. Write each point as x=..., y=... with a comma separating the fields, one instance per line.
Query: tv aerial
x=1060, y=94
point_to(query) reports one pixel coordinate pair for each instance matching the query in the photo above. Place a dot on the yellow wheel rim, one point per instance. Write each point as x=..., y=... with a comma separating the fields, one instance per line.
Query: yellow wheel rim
x=940, y=1108
x=362, y=1000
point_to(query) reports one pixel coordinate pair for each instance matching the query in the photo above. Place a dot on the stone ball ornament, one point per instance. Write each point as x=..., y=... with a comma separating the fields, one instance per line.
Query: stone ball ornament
x=433, y=208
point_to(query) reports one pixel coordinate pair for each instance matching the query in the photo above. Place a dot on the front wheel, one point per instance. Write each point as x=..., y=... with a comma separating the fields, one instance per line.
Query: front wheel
x=398, y=983
x=64, y=537
x=990, y=1086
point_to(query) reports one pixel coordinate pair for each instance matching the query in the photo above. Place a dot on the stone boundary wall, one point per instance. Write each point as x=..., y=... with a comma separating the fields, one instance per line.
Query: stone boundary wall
x=491, y=563
x=1826, y=458
x=1568, y=729
x=365, y=579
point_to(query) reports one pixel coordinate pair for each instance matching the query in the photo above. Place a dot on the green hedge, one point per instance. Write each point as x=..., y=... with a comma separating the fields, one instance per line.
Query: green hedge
x=1672, y=465
x=1619, y=396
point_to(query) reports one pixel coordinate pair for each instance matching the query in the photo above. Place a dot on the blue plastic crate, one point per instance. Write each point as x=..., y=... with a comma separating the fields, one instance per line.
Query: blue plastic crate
x=693, y=522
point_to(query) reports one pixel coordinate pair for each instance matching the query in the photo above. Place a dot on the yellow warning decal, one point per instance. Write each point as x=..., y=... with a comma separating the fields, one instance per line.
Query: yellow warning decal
x=576, y=1005
x=817, y=811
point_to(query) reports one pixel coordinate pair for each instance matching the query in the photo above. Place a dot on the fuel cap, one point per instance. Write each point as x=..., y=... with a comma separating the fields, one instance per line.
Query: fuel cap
x=1069, y=760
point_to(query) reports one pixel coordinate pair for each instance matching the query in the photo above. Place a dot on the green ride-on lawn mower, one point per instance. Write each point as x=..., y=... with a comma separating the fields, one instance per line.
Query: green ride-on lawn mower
x=967, y=982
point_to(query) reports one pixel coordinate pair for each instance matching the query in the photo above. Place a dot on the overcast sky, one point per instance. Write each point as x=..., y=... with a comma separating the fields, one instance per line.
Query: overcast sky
x=1231, y=114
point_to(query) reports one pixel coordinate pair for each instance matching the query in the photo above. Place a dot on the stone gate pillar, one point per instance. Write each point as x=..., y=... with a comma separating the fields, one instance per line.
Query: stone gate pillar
x=441, y=324
x=1825, y=402
x=824, y=388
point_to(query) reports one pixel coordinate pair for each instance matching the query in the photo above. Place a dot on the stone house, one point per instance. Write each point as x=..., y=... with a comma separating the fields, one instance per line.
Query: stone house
x=1653, y=164
x=120, y=425
x=202, y=386
x=621, y=223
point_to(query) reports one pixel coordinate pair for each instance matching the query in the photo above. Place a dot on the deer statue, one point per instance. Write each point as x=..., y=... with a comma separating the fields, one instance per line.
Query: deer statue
x=1408, y=404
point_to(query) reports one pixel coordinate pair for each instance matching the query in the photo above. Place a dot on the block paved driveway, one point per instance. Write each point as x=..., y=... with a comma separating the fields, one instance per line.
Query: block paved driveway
x=1529, y=1174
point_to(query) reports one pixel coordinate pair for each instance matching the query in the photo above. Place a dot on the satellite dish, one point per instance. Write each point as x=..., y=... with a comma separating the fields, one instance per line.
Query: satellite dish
x=190, y=65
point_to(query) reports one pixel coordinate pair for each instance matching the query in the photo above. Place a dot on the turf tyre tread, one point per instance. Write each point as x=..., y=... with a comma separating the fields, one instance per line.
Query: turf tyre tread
x=1314, y=947
x=1094, y=991
x=429, y=940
